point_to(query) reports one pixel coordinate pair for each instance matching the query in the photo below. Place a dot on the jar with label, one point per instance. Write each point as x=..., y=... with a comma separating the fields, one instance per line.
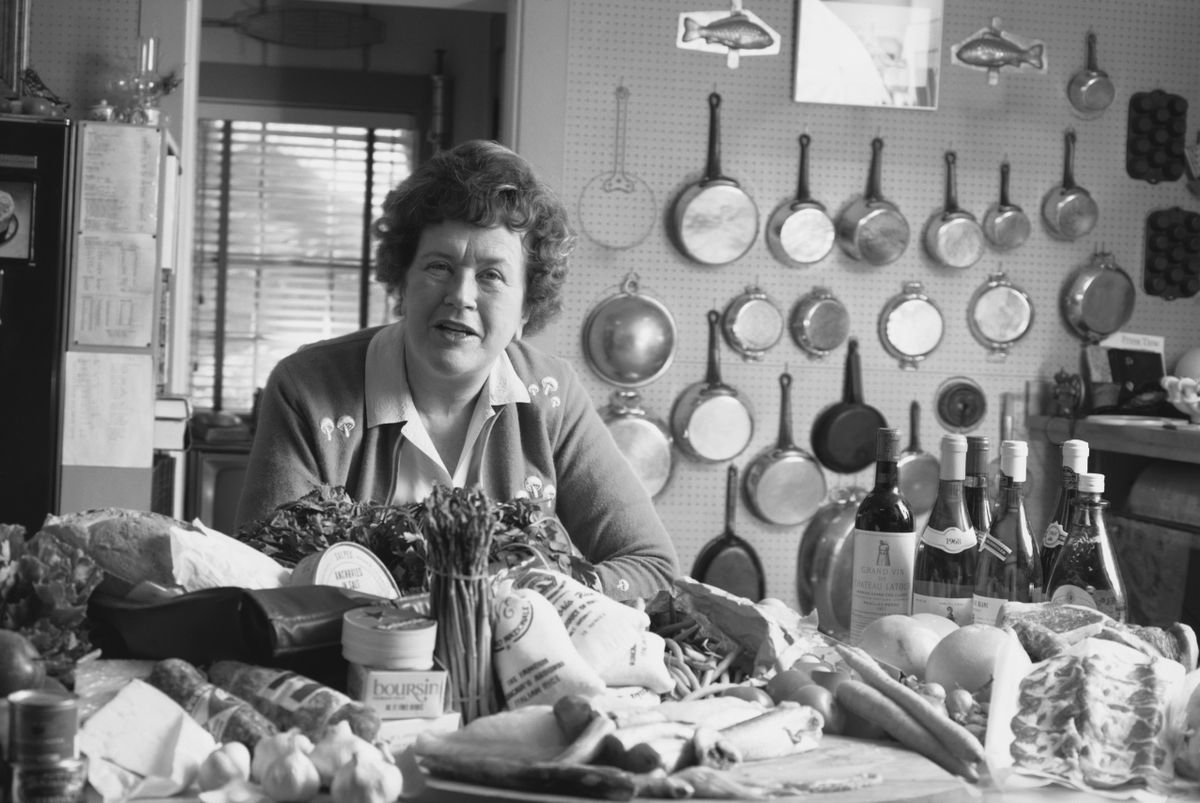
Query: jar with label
x=944, y=570
x=884, y=542
x=1008, y=567
x=1085, y=572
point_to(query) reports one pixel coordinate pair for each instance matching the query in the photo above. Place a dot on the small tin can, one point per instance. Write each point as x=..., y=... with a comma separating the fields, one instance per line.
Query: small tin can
x=62, y=781
x=41, y=726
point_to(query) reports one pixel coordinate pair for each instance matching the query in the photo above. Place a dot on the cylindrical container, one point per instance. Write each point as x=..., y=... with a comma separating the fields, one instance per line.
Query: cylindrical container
x=388, y=638
x=41, y=726
x=63, y=781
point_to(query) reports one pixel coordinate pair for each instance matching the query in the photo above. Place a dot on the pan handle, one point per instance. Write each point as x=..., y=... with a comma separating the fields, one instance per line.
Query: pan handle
x=852, y=391
x=874, y=177
x=914, y=426
x=713, y=377
x=785, y=411
x=731, y=484
x=1091, y=53
x=1004, y=171
x=951, y=184
x=713, y=170
x=802, y=194
x=1068, y=179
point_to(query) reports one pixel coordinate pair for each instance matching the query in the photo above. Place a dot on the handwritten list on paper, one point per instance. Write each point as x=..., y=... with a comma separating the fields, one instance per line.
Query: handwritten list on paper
x=118, y=190
x=108, y=410
x=114, y=290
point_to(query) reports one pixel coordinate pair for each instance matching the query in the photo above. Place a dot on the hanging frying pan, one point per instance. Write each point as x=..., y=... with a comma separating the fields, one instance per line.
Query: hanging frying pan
x=784, y=484
x=1090, y=90
x=629, y=337
x=728, y=561
x=752, y=323
x=1006, y=225
x=843, y=434
x=710, y=421
x=617, y=209
x=871, y=228
x=1098, y=298
x=644, y=440
x=952, y=236
x=1068, y=209
x=799, y=232
x=715, y=220
x=918, y=468
x=819, y=322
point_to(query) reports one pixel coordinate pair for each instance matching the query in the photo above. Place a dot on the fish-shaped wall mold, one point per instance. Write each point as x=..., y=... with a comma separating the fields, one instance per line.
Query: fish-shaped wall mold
x=991, y=49
x=732, y=33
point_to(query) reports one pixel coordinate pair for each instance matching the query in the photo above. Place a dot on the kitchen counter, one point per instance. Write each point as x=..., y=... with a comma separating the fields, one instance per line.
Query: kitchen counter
x=1142, y=436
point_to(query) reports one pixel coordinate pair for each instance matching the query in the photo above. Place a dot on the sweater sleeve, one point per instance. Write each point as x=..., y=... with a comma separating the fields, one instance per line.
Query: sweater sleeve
x=283, y=465
x=604, y=506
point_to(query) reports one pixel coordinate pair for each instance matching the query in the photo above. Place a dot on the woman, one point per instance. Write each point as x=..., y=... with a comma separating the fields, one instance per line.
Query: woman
x=474, y=247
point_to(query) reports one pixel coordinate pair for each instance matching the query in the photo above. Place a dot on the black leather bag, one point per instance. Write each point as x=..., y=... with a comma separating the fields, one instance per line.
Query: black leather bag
x=293, y=627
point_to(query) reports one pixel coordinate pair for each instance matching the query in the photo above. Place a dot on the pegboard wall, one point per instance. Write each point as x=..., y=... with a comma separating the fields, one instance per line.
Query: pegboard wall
x=1022, y=118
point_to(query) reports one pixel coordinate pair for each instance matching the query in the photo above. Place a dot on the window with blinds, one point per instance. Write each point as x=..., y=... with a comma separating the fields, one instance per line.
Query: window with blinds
x=283, y=247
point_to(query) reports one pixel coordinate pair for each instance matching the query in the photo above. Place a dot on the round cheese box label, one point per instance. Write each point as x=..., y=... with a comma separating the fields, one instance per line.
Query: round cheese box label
x=348, y=565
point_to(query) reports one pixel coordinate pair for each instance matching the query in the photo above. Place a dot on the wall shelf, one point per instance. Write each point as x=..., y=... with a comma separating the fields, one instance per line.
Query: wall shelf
x=1178, y=440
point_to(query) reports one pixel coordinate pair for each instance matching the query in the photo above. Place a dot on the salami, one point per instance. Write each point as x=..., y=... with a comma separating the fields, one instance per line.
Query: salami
x=226, y=716
x=291, y=700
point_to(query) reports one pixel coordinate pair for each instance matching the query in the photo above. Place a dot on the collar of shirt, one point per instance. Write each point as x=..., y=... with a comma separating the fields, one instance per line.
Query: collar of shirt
x=389, y=400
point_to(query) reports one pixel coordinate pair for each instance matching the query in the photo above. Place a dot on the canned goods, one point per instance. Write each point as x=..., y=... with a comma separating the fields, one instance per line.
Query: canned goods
x=41, y=726
x=56, y=782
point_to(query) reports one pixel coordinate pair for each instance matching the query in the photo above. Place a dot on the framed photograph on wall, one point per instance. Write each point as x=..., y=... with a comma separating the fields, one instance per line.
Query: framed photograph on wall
x=868, y=52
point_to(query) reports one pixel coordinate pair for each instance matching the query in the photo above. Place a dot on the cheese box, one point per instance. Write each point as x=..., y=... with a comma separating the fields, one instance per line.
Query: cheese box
x=400, y=693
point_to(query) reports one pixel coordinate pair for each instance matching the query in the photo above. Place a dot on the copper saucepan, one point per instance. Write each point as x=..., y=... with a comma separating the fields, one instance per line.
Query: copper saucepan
x=715, y=220
x=1069, y=210
x=800, y=232
x=1006, y=225
x=871, y=228
x=953, y=237
x=711, y=421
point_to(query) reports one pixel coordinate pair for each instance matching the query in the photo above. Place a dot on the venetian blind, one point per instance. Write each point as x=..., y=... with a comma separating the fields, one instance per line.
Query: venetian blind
x=283, y=253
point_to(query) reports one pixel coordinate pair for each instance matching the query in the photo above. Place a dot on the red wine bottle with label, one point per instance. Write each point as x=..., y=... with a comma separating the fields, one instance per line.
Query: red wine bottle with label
x=977, y=486
x=1074, y=463
x=944, y=570
x=884, y=542
x=1009, y=568
x=1085, y=572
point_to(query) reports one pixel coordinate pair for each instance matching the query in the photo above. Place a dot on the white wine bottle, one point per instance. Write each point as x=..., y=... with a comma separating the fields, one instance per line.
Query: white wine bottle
x=944, y=571
x=1074, y=463
x=1008, y=567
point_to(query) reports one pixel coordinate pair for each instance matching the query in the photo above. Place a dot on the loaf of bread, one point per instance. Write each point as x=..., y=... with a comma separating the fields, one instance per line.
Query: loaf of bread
x=148, y=554
x=131, y=546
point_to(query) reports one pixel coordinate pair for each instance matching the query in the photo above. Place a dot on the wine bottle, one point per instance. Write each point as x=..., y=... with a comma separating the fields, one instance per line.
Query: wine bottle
x=977, y=485
x=884, y=542
x=1074, y=463
x=944, y=569
x=1009, y=568
x=1085, y=572
x=1008, y=432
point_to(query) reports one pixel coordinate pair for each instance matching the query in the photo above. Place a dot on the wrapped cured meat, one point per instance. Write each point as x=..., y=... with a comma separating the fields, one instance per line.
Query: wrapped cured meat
x=291, y=700
x=223, y=714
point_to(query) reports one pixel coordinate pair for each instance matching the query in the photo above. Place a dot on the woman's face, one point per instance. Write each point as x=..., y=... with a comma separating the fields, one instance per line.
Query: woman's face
x=464, y=300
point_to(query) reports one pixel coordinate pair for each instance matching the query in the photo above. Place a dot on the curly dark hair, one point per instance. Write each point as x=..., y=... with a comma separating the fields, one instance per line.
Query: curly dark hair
x=484, y=184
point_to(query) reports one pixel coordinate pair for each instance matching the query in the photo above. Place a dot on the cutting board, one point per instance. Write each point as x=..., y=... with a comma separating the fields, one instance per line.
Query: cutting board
x=907, y=777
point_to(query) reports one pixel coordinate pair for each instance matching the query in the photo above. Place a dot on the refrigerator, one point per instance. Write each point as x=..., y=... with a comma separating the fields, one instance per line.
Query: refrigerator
x=35, y=203
x=83, y=264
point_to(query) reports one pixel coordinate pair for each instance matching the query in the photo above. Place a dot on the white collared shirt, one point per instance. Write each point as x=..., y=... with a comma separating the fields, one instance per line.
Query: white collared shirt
x=389, y=401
